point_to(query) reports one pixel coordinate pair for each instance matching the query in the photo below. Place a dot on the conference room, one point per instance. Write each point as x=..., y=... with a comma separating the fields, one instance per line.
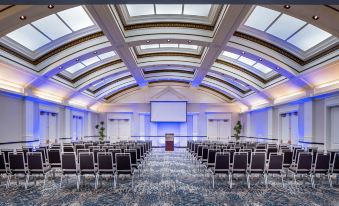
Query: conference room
x=169, y=104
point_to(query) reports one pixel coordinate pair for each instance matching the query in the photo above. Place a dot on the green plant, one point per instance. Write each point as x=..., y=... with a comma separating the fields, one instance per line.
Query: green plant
x=101, y=130
x=237, y=129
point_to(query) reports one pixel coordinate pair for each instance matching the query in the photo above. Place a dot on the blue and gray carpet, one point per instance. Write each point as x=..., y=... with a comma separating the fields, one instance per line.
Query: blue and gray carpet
x=171, y=179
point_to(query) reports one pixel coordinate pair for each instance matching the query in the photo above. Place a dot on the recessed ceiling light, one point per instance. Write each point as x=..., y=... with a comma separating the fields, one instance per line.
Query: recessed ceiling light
x=94, y=52
x=189, y=41
x=77, y=60
x=277, y=68
x=147, y=41
x=22, y=17
x=50, y=6
x=260, y=59
x=287, y=6
x=315, y=17
x=243, y=52
x=168, y=40
x=60, y=67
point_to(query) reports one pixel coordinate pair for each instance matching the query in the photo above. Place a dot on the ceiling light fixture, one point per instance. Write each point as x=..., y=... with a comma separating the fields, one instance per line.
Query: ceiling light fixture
x=287, y=6
x=243, y=52
x=189, y=41
x=60, y=67
x=260, y=59
x=95, y=52
x=148, y=41
x=77, y=60
x=277, y=68
x=168, y=40
x=22, y=17
x=50, y=6
x=315, y=17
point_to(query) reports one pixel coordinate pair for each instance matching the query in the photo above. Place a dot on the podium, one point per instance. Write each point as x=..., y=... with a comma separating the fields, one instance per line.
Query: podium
x=169, y=142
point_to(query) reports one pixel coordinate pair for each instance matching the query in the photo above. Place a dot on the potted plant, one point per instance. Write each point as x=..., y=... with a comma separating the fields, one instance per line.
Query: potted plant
x=237, y=129
x=101, y=130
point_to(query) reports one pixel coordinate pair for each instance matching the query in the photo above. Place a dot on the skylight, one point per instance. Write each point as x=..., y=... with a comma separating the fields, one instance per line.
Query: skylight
x=75, y=68
x=168, y=9
x=264, y=69
x=157, y=46
x=90, y=61
x=292, y=30
x=246, y=61
x=230, y=55
x=45, y=30
x=106, y=55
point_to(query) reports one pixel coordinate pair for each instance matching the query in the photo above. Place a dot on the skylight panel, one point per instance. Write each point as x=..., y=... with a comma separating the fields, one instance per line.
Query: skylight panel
x=90, y=61
x=197, y=9
x=28, y=37
x=168, y=8
x=308, y=37
x=169, y=45
x=230, y=55
x=149, y=46
x=140, y=9
x=75, y=68
x=106, y=55
x=285, y=26
x=188, y=46
x=76, y=18
x=246, y=61
x=264, y=69
x=261, y=18
x=52, y=26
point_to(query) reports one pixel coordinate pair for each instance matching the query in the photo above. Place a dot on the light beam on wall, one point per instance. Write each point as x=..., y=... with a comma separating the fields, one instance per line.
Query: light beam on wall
x=288, y=97
x=77, y=103
x=49, y=97
x=11, y=86
x=327, y=84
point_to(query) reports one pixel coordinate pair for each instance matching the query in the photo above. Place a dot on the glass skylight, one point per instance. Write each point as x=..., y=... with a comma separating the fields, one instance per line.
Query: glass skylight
x=90, y=61
x=76, y=18
x=169, y=45
x=188, y=46
x=264, y=69
x=45, y=30
x=261, y=18
x=52, y=26
x=230, y=55
x=75, y=68
x=106, y=55
x=168, y=9
x=197, y=9
x=292, y=30
x=308, y=37
x=157, y=46
x=140, y=9
x=285, y=26
x=149, y=46
x=246, y=61
x=29, y=37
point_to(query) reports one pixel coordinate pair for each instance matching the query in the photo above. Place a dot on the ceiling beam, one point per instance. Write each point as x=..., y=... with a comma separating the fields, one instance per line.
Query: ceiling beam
x=231, y=20
x=106, y=20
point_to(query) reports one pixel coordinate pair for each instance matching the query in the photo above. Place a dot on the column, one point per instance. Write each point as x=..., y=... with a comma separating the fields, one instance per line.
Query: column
x=28, y=120
x=308, y=121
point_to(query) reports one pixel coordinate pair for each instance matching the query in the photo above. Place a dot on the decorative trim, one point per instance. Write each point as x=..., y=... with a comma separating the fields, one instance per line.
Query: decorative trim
x=228, y=84
x=7, y=7
x=168, y=24
x=120, y=91
x=169, y=70
x=54, y=51
x=216, y=91
x=112, y=82
x=168, y=81
x=139, y=56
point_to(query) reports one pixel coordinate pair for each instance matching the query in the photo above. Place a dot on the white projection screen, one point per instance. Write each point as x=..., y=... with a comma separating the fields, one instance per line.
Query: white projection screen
x=168, y=111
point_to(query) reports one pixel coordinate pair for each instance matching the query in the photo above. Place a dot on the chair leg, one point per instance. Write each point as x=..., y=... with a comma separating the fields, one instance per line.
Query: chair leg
x=95, y=181
x=9, y=180
x=248, y=181
x=312, y=181
x=27, y=180
x=45, y=177
x=231, y=179
x=132, y=181
x=61, y=179
x=295, y=180
x=115, y=180
x=78, y=181
x=212, y=180
x=329, y=179
x=266, y=179
x=282, y=179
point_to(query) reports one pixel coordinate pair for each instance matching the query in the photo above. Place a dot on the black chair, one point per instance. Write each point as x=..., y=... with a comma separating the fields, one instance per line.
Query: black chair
x=3, y=167
x=16, y=166
x=257, y=165
x=54, y=159
x=211, y=158
x=114, y=151
x=288, y=159
x=105, y=166
x=134, y=160
x=335, y=165
x=95, y=153
x=221, y=166
x=68, y=149
x=303, y=166
x=36, y=166
x=240, y=166
x=124, y=166
x=275, y=166
x=322, y=166
x=69, y=166
x=86, y=166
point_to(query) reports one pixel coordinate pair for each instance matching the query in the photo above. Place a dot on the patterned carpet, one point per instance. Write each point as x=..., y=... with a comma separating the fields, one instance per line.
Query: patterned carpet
x=170, y=179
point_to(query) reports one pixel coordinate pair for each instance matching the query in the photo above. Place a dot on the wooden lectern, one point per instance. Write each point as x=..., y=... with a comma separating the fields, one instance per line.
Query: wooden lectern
x=169, y=142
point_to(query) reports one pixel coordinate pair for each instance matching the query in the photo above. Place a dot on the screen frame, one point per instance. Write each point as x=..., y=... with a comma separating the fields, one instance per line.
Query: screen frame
x=169, y=101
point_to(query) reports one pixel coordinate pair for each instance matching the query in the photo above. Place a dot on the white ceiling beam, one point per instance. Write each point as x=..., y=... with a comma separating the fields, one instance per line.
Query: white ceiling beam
x=231, y=20
x=106, y=20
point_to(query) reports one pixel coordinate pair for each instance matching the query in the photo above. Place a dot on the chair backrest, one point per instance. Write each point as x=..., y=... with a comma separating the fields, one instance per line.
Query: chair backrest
x=275, y=162
x=35, y=160
x=114, y=151
x=211, y=156
x=6, y=152
x=133, y=153
x=95, y=152
x=335, y=168
x=91, y=148
x=288, y=157
x=54, y=156
x=204, y=153
x=258, y=160
x=68, y=149
x=322, y=161
x=86, y=161
x=249, y=152
x=123, y=161
x=2, y=162
x=200, y=147
x=43, y=153
x=296, y=153
x=333, y=153
x=240, y=161
x=271, y=150
x=16, y=161
x=105, y=161
x=304, y=161
x=68, y=161
x=222, y=161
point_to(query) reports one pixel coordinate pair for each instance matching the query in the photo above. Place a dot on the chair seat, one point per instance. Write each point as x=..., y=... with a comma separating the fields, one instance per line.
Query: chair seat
x=219, y=171
x=38, y=171
x=300, y=171
x=321, y=171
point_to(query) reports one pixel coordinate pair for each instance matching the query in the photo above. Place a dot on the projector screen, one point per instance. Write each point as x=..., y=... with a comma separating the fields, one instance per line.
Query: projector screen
x=168, y=111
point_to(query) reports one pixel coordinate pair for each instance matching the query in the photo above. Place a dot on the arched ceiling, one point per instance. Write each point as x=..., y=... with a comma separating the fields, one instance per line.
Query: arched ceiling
x=96, y=53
